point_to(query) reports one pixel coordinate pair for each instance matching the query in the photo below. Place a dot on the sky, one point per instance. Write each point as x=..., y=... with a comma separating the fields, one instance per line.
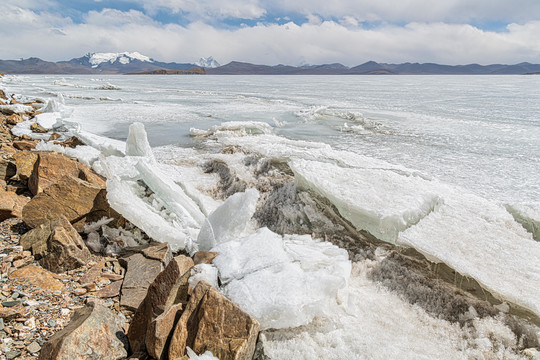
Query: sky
x=291, y=32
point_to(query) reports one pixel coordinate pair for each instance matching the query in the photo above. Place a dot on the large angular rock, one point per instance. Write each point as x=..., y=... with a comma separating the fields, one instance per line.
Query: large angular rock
x=94, y=332
x=50, y=167
x=76, y=199
x=142, y=264
x=213, y=323
x=24, y=145
x=56, y=245
x=155, y=318
x=25, y=161
x=11, y=204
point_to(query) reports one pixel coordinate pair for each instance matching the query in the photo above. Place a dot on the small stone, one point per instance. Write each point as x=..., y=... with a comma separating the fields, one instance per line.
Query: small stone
x=11, y=303
x=33, y=347
x=12, y=354
x=80, y=291
x=2, y=324
x=110, y=290
x=51, y=323
x=204, y=257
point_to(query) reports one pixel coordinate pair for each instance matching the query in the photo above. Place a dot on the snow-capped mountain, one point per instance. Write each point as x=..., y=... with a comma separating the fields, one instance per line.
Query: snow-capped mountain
x=124, y=58
x=208, y=62
x=121, y=63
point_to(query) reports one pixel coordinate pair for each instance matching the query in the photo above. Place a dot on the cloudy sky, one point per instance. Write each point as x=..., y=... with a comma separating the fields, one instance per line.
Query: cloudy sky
x=273, y=32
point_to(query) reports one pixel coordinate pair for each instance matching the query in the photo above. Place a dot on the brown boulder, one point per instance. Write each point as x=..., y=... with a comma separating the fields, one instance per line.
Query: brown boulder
x=2, y=93
x=11, y=204
x=72, y=142
x=35, y=127
x=24, y=145
x=56, y=245
x=204, y=257
x=50, y=167
x=94, y=332
x=211, y=322
x=155, y=317
x=39, y=277
x=54, y=136
x=78, y=200
x=14, y=119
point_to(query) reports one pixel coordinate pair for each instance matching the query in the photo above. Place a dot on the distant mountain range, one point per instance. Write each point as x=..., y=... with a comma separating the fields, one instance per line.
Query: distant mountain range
x=133, y=62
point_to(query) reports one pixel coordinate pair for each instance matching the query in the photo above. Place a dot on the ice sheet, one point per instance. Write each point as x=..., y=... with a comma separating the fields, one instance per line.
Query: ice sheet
x=444, y=223
x=233, y=128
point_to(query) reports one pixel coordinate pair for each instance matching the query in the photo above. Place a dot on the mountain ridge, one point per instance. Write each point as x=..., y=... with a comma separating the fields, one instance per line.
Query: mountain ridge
x=134, y=62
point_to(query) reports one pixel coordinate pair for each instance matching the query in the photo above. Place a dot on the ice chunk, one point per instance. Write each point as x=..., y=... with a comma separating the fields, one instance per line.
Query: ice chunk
x=47, y=120
x=207, y=355
x=283, y=283
x=126, y=198
x=137, y=142
x=104, y=144
x=85, y=154
x=239, y=258
x=235, y=128
x=229, y=220
x=15, y=109
x=172, y=195
x=384, y=202
x=206, y=272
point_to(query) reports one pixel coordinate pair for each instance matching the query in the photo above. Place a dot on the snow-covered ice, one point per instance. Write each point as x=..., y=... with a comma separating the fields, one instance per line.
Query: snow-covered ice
x=282, y=282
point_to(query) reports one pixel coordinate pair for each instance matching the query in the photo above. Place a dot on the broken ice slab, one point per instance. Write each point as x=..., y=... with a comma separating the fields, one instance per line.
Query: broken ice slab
x=382, y=202
x=126, y=197
x=282, y=282
x=104, y=144
x=137, y=142
x=229, y=220
x=171, y=194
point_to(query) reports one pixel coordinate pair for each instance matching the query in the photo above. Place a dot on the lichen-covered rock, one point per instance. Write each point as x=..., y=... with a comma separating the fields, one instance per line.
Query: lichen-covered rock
x=56, y=245
x=211, y=322
x=94, y=332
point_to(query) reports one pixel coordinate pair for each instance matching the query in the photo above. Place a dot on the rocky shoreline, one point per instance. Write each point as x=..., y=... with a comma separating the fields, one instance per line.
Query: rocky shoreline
x=80, y=281
x=61, y=300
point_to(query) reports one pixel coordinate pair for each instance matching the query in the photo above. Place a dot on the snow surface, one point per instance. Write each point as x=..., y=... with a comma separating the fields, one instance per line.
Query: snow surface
x=446, y=224
x=123, y=58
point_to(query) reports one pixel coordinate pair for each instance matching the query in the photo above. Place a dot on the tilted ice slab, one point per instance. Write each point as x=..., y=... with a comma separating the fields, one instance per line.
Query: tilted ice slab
x=282, y=282
x=367, y=197
x=528, y=215
x=229, y=220
x=476, y=237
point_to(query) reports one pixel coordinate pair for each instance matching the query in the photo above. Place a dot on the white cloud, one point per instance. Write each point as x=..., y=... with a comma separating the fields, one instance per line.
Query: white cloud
x=242, y=9
x=51, y=37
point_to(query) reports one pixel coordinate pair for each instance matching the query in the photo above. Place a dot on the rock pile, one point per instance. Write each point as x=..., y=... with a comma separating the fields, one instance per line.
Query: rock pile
x=60, y=300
